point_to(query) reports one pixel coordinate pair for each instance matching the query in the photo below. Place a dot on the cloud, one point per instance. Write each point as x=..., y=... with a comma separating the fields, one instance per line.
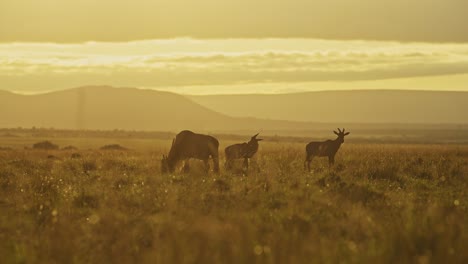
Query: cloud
x=182, y=62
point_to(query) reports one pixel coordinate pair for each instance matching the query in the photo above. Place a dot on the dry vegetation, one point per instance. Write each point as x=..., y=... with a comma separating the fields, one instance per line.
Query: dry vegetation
x=384, y=203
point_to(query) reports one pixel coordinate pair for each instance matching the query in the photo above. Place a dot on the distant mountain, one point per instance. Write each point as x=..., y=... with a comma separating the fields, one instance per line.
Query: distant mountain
x=363, y=112
x=363, y=106
x=104, y=107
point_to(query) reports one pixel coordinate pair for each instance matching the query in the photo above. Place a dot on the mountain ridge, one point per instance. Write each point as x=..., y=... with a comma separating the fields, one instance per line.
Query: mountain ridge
x=106, y=107
x=356, y=106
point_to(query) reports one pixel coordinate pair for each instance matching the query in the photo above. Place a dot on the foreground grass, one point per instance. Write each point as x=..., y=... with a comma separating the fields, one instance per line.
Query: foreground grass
x=380, y=203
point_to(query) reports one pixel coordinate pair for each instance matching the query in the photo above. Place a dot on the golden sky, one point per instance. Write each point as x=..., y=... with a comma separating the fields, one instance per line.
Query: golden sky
x=125, y=20
x=242, y=46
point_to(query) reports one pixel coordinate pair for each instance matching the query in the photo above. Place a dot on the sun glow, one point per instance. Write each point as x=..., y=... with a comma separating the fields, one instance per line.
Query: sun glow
x=234, y=65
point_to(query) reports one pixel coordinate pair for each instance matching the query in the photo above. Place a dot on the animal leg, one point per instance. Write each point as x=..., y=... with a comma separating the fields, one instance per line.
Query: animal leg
x=186, y=168
x=216, y=164
x=246, y=163
x=228, y=164
x=331, y=160
x=307, y=162
x=207, y=165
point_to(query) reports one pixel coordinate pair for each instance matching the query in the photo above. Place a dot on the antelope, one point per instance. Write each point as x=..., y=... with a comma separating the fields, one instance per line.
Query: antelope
x=244, y=151
x=187, y=145
x=326, y=148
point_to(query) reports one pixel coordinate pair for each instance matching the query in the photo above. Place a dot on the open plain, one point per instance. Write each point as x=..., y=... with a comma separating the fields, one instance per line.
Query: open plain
x=389, y=203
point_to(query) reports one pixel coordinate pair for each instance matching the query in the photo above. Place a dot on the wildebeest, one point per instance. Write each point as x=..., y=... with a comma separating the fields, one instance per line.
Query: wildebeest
x=242, y=151
x=187, y=145
x=326, y=148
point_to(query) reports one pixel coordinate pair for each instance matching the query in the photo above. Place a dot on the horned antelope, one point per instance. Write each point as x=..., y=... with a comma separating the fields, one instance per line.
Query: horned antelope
x=187, y=145
x=326, y=148
x=244, y=151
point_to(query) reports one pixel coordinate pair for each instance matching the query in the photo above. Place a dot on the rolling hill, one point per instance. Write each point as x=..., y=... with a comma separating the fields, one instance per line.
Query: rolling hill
x=363, y=106
x=366, y=114
x=104, y=107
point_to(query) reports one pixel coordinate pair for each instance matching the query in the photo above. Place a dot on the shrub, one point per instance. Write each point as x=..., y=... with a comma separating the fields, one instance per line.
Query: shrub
x=113, y=147
x=45, y=145
x=70, y=147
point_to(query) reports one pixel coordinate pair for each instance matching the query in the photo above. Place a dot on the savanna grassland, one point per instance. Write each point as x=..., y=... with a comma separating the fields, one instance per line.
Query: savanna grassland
x=381, y=203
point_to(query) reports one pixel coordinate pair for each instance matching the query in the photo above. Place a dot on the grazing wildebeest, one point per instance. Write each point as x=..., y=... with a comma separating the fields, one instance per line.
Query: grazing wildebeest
x=242, y=151
x=326, y=148
x=187, y=145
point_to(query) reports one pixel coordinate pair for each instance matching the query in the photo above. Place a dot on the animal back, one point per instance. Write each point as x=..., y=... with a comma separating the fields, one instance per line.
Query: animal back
x=235, y=151
x=192, y=145
x=319, y=148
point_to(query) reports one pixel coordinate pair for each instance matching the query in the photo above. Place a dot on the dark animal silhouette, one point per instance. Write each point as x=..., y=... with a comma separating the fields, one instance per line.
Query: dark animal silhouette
x=326, y=148
x=242, y=151
x=187, y=145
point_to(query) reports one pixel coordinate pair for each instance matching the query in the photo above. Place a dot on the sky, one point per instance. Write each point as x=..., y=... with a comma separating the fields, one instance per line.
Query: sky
x=212, y=46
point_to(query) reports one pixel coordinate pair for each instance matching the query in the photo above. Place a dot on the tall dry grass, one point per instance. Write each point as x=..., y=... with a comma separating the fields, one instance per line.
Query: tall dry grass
x=380, y=203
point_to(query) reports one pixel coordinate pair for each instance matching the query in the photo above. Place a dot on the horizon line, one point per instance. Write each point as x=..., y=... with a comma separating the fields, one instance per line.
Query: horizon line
x=157, y=89
x=139, y=40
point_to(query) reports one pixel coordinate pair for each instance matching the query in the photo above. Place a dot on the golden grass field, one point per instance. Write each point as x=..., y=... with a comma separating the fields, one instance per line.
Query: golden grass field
x=381, y=203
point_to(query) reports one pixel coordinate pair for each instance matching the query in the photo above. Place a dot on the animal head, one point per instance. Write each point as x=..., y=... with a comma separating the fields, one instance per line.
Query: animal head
x=164, y=164
x=167, y=165
x=341, y=134
x=168, y=162
x=252, y=146
x=255, y=139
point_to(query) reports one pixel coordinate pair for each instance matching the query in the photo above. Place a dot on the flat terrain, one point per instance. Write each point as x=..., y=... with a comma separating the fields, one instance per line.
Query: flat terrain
x=381, y=203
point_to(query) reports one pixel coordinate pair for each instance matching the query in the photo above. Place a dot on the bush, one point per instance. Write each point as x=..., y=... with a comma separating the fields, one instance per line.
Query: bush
x=113, y=147
x=70, y=147
x=47, y=145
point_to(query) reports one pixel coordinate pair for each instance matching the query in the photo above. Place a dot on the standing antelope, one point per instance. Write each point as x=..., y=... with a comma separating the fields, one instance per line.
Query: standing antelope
x=188, y=145
x=326, y=148
x=242, y=151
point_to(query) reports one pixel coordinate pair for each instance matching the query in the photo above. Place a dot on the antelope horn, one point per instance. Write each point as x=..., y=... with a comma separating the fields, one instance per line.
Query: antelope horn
x=339, y=130
x=343, y=130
